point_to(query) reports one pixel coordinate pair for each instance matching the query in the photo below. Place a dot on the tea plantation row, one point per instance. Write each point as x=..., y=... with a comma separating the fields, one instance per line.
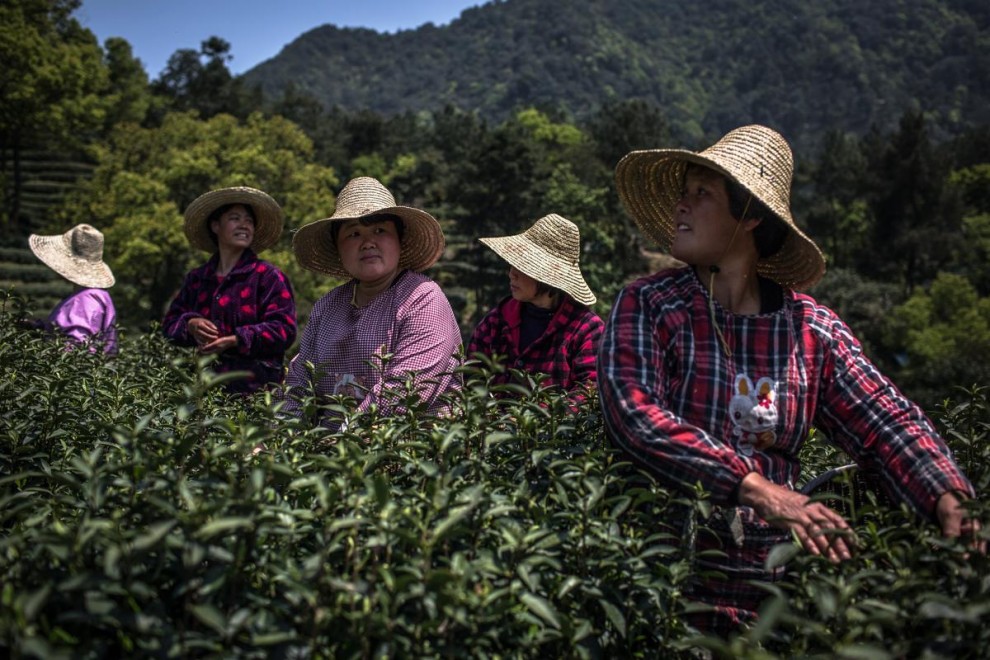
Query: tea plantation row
x=137, y=519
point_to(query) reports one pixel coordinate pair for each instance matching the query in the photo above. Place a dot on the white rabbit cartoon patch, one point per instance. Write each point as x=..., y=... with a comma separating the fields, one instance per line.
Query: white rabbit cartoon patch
x=754, y=414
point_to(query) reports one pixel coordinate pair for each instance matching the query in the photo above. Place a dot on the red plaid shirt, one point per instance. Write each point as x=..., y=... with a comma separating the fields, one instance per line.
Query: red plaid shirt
x=674, y=400
x=253, y=301
x=566, y=351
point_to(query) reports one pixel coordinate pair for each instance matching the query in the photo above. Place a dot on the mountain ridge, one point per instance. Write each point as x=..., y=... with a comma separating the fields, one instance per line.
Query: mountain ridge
x=798, y=67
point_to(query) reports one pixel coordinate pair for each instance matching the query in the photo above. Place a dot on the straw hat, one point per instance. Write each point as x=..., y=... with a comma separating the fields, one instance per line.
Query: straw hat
x=76, y=255
x=422, y=238
x=755, y=157
x=548, y=252
x=267, y=217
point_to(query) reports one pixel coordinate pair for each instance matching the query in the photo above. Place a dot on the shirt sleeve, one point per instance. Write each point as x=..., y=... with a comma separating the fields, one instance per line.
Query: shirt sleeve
x=297, y=379
x=275, y=329
x=182, y=309
x=584, y=365
x=483, y=338
x=868, y=417
x=81, y=317
x=425, y=344
x=631, y=387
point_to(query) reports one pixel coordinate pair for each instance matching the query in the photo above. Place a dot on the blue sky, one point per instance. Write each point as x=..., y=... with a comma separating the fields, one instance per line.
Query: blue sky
x=256, y=29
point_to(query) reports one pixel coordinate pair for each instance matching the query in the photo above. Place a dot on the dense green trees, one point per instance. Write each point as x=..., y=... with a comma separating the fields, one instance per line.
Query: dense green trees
x=51, y=87
x=202, y=82
x=147, y=176
x=945, y=334
x=802, y=67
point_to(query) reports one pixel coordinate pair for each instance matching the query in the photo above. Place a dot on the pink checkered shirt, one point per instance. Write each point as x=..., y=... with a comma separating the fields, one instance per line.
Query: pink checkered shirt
x=412, y=321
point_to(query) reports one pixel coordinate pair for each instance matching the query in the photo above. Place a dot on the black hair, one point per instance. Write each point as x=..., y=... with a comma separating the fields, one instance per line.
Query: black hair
x=770, y=234
x=219, y=211
x=543, y=287
x=367, y=221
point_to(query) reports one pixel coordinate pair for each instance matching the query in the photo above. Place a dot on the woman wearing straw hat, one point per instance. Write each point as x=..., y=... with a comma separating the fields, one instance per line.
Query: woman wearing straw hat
x=88, y=315
x=387, y=306
x=545, y=325
x=715, y=373
x=235, y=305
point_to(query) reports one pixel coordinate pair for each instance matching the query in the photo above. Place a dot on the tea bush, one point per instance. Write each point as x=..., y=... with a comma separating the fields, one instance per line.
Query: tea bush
x=138, y=518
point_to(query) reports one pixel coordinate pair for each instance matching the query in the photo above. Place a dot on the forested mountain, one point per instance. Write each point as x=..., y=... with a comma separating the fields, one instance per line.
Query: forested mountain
x=802, y=67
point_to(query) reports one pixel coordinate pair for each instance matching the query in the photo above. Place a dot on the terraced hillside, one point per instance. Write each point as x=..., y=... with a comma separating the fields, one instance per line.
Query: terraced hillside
x=45, y=178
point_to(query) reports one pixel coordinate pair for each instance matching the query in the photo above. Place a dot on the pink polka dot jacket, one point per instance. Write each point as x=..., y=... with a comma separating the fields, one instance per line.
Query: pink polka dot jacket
x=254, y=302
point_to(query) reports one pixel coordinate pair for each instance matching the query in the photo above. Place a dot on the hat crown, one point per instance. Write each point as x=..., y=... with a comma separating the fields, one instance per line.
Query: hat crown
x=557, y=236
x=759, y=158
x=362, y=196
x=85, y=242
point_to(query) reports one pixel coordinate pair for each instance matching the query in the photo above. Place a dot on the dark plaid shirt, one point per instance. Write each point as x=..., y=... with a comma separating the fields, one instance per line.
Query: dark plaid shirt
x=675, y=401
x=565, y=352
x=253, y=301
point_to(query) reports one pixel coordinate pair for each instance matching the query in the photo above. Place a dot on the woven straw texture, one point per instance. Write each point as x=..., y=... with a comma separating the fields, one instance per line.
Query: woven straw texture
x=76, y=255
x=548, y=252
x=267, y=217
x=757, y=158
x=422, y=239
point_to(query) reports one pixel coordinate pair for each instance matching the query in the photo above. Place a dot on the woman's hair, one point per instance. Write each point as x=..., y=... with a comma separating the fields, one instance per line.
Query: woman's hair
x=555, y=294
x=219, y=211
x=367, y=221
x=771, y=233
x=543, y=287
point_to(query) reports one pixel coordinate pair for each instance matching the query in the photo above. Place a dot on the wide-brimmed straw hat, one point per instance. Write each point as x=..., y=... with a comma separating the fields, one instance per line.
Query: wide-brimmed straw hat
x=548, y=252
x=422, y=237
x=267, y=216
x=757, y=158
x=76, y=255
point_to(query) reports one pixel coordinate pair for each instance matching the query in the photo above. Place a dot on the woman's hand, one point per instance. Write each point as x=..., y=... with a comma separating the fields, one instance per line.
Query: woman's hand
x=202, y=331
x=956, y=521
x=820, y=530
x=219, y=345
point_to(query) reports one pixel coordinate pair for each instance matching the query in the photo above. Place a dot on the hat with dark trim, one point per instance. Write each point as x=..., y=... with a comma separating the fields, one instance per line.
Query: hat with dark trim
x=755, y=157
x=422, y=238
x=267, y=216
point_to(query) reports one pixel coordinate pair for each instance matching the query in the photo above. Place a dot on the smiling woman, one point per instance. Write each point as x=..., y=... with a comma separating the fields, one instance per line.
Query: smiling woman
x=389, y=322
x=235, y=305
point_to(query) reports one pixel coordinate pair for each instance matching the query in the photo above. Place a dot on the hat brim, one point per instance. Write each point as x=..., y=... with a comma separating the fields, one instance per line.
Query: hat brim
x=534, y=261
x=649, y=184
x=55, y=254
x=268, y=217
x=422, y=241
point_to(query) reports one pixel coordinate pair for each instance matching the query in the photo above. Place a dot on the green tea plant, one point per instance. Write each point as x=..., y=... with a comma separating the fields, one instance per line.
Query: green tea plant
x=144, y=513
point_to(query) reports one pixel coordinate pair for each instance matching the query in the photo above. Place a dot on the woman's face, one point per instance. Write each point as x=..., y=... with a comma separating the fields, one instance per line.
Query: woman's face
x=369, y=253
x=234, y=228
x=524, y=289
x=703, y=225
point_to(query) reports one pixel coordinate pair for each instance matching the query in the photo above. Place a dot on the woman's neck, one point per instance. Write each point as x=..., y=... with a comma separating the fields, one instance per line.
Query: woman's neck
x=544, y=301
x=228, y=259
x=366, y=290
x=736, y=287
